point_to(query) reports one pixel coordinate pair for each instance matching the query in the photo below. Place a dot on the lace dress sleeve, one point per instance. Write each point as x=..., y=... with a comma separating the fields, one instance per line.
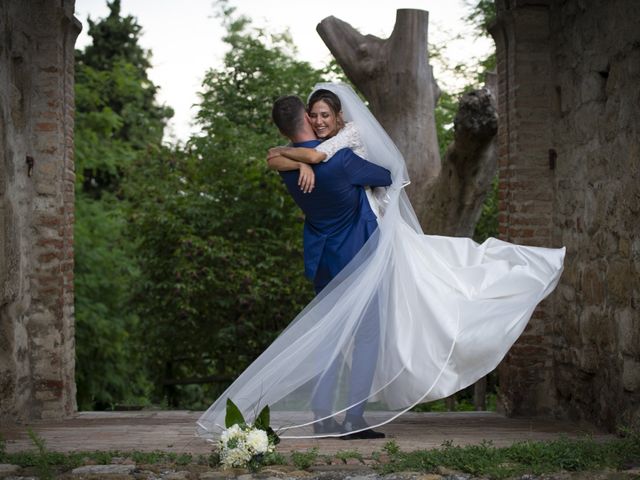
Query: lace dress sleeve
x=347, y=137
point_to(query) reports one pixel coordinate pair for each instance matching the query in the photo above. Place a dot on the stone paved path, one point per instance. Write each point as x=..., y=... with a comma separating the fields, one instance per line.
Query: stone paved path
x=173, y=431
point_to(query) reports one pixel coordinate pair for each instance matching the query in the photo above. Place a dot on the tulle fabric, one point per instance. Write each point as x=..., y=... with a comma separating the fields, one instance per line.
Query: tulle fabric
x=413, y=318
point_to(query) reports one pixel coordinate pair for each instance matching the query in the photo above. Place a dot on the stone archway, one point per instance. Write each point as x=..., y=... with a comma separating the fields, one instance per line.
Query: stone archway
x=569, y=163
x=37, y=355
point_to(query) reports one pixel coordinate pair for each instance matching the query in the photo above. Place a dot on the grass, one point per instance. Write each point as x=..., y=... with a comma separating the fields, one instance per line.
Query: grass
x=44, y=460
x=41, y=456
x=483, y=459
x=345, y=455
x=304, y=460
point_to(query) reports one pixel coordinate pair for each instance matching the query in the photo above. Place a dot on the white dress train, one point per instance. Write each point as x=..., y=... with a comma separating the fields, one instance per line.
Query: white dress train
x=412, y=318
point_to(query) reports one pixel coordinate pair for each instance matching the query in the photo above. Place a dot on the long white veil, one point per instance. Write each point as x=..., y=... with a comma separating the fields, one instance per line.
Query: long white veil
x=412, y=318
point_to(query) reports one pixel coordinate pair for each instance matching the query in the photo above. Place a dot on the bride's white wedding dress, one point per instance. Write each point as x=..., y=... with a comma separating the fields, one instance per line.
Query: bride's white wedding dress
x=413, y=318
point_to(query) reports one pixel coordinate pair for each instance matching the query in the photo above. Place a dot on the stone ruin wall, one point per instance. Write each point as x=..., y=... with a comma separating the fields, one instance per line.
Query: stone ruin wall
x=569, y=139
x=597, y=208
x=36, y=209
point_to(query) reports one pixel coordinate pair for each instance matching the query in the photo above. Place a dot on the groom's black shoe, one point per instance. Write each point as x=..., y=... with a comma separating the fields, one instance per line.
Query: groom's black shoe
x=358, y=423
x=327, y=426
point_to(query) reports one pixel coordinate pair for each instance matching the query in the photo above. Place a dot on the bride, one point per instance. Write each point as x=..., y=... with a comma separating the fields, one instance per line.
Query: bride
x=444, y=310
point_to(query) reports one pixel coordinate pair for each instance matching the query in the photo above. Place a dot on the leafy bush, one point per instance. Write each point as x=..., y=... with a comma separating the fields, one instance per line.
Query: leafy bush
x=219, y=239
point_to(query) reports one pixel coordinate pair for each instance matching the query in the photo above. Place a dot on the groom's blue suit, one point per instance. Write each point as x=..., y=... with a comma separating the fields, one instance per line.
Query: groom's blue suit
x=338, y=218
x=338, y=222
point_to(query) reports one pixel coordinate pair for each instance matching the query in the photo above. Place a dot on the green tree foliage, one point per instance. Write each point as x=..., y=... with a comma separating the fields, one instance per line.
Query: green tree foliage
x=116, y=119
x=481, y=15
x=108, y=366
x=472, y=72
x=220, y=238
x=116, y=110
x=447, y=105
x=487, y=225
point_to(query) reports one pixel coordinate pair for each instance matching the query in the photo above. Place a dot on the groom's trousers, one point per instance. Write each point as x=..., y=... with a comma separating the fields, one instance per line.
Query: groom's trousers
x=364, y=351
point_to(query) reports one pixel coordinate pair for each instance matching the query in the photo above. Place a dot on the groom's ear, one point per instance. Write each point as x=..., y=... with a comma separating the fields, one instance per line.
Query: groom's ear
x=307, y=117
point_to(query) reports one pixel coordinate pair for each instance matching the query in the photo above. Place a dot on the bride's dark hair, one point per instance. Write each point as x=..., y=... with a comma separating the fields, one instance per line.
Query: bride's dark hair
x=331, y=99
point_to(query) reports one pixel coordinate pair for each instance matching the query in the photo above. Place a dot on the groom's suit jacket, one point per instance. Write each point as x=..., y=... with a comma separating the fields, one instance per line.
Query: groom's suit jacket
x=338, y=218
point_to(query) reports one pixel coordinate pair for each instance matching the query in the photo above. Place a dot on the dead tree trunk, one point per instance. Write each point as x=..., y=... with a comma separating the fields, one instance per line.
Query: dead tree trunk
x=397, y=80
x=455, y=198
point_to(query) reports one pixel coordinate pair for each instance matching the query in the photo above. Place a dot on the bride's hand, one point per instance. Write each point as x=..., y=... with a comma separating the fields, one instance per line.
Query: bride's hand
x=275, y=151
x=306, y=179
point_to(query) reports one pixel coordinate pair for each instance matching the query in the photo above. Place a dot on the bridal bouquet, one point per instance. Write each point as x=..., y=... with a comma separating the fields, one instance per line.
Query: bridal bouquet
x=244, y=444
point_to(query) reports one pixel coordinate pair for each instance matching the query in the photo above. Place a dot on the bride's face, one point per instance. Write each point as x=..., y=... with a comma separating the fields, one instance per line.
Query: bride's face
x=323, y=120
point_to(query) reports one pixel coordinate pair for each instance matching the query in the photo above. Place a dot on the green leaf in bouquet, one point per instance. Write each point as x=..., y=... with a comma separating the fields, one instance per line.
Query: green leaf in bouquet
x=263, y=419
x=233, y=415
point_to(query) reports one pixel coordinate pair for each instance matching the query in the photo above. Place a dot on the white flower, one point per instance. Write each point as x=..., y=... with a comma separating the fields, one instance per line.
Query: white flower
x=235, y=457
x=234, y=431
x=257, y=441
x=240, y=444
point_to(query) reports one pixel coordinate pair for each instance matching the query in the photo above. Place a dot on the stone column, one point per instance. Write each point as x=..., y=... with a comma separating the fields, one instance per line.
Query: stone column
x=526, y=185
x=37, y=357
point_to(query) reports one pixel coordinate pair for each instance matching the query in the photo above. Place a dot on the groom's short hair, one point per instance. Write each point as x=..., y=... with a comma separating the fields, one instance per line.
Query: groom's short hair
x=288, y=114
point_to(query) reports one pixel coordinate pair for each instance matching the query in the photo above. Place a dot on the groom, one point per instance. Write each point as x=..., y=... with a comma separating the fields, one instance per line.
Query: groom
x=338, y=222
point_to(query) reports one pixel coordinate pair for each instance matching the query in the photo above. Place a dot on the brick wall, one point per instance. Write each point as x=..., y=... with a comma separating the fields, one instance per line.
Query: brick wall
x=569, y=167
x=36, y=202
x=526, y=188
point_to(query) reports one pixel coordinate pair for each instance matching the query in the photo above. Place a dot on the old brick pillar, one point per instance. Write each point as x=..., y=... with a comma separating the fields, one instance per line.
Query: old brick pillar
x=526, y=185
x=36, y=209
